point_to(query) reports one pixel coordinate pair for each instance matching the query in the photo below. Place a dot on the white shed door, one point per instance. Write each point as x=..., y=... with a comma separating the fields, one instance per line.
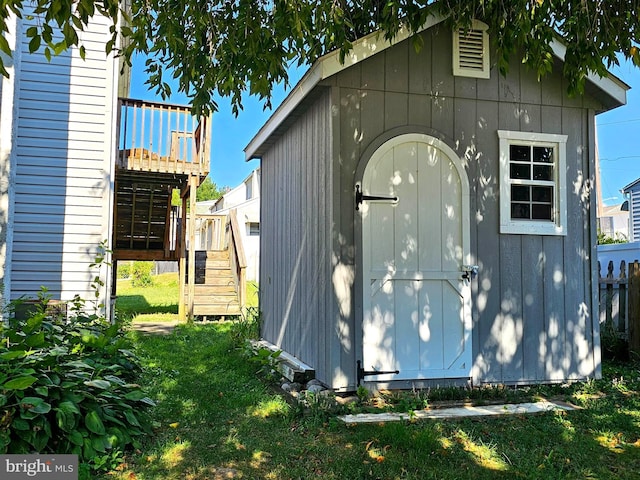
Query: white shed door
x=416, y=306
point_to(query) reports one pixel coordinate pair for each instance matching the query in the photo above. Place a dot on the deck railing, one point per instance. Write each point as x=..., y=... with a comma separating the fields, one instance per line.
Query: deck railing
x=210, y=232
x=222, y=232
x=237, y=257
x=162, y=138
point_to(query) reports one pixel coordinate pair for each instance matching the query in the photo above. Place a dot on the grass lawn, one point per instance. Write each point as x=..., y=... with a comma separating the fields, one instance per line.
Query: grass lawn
x=216, y=419
x=159, y=302
x=156, y=302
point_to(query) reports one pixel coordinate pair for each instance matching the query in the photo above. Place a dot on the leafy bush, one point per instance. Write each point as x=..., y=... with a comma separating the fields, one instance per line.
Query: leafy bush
x=604, y=239
x=124, y=270
x=68, y=385
x=141, y=274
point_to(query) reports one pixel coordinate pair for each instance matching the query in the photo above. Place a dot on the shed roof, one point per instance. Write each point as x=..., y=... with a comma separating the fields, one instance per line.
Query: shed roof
x=610, y=90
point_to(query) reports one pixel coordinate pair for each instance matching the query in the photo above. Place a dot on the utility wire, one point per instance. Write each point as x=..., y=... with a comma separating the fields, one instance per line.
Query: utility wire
x=631, y=120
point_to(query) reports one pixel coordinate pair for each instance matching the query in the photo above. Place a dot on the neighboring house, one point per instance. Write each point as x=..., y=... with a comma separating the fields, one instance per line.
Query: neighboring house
x=57, y=122
x=80, y=164
x=614, y=221
x=427, y=221
x=632, y=194
x=245, y=200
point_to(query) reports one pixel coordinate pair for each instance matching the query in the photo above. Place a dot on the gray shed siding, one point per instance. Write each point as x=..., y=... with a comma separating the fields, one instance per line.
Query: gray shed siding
x=62, y=167
x=533, y=300
x=296, y=300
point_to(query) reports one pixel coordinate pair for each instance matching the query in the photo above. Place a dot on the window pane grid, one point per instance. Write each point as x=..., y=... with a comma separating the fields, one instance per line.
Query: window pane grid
x=532, y=176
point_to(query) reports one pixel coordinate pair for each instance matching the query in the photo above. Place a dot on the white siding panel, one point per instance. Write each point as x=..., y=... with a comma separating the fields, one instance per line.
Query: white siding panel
x=92, y=117
x=67, y=109
x=89, y=97
x=92, y=124
x=63, y=191
x=79, y=173
x=83, y=66
x=59, y=144
x=71, y=138
x=71, y=211
x=62, y=185
x=45, y=78
x=54, y=250
x=35, y=152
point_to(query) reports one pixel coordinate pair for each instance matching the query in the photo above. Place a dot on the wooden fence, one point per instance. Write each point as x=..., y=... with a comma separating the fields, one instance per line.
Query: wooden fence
x=619, y=295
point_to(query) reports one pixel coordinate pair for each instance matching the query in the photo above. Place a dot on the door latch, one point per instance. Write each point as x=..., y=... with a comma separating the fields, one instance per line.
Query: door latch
x=469, y=272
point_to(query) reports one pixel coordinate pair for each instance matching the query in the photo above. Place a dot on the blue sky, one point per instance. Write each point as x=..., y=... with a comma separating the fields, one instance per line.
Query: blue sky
x=618, y=134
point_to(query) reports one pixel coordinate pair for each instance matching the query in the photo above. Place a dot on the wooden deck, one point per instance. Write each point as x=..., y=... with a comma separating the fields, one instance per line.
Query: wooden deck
x=162, y=138
x=161, y=147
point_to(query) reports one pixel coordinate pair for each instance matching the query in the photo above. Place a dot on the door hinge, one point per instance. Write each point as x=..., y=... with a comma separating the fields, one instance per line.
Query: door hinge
x=360, y=197
x=366, y=373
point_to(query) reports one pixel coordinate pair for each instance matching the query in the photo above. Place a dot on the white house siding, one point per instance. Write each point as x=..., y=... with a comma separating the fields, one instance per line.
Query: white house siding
x=7, y=122
x=62, y=166
x=634, y=213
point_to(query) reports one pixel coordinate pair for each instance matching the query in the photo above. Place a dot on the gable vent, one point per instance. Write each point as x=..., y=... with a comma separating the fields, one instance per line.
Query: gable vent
x=471, y=51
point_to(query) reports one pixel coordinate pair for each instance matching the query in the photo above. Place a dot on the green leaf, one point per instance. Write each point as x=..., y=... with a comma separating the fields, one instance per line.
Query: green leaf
x=20, y=383
x=131, y=418
x=88, y=451
x=135, y=395
x=42, y=391
x=103, y=384
x=35, y=405
x=69, y=407
x=38, y=339
x=20, y=424
x=12, y=355
x=4, y=46
x=75, y=437
x=94, y=423
x=98, y=444
x=148, y=401
x=41, y=438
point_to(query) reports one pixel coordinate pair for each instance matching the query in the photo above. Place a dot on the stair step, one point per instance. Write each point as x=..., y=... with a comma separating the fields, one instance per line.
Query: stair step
x=218, y=254
x=213, y=292
x=216, y=310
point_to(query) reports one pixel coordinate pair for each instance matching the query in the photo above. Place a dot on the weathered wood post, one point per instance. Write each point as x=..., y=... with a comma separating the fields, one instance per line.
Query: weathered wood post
x=622, y=298
x=634, y=308
x=609, y=298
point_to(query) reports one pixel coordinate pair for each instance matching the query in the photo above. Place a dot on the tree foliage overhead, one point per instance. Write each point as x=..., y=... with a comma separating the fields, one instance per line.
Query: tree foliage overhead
x=231, y=47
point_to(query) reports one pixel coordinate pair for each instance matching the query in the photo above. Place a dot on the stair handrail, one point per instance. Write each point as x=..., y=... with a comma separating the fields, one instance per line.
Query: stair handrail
x=237, y=256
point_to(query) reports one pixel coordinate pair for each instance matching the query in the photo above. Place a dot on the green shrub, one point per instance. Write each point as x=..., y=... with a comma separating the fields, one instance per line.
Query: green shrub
x=69, y=385
x=141, y=274
x=124, y=270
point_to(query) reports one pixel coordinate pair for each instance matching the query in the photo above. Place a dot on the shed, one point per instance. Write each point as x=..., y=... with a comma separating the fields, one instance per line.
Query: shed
x=427, y=221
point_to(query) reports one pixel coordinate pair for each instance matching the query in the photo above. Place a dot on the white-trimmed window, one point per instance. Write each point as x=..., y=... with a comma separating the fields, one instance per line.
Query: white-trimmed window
x=533, y=183
x=471, y=51
x=253, y=228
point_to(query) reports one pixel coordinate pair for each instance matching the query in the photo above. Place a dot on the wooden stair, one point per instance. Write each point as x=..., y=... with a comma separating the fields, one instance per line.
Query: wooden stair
x=216, y=292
